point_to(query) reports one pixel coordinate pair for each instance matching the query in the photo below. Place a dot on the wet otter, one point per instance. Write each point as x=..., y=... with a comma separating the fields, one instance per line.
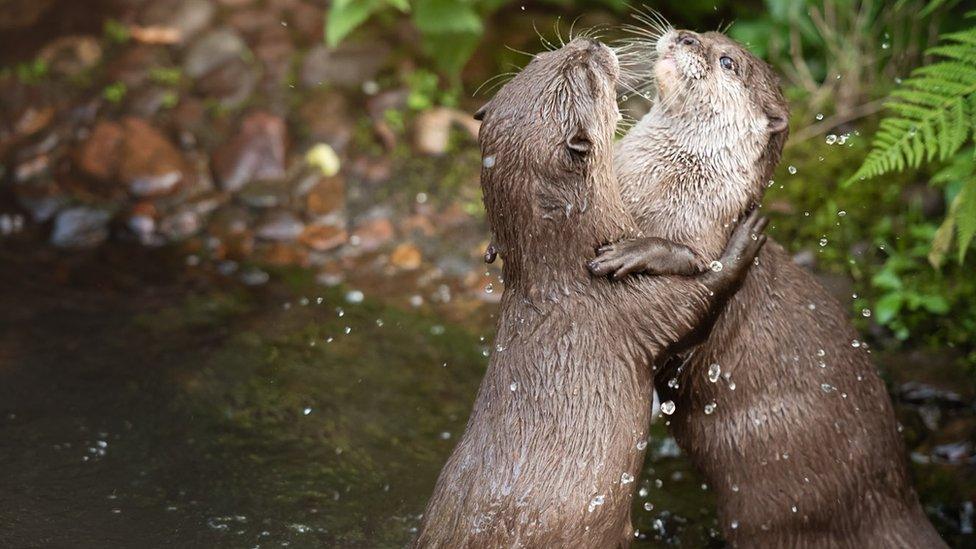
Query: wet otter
x=781, y=408
x=559, y=426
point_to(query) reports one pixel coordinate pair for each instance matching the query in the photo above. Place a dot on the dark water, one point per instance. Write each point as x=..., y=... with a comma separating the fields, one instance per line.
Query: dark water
x=143, y=403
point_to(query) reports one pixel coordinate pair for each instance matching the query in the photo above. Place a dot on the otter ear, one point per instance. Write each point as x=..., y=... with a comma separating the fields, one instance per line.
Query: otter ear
x=479, y=114
x=778, y=121
x=579, y=143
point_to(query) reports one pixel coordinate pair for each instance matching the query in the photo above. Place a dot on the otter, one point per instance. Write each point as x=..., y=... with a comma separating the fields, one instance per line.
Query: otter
x=558, y=429
x=781, y=408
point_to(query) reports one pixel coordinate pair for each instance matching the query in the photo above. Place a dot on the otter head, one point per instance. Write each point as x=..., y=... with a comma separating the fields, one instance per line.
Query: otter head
x=546, y=142
x=724, y=92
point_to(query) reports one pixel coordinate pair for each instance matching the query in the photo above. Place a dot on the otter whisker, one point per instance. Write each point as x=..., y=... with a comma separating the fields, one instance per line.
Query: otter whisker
x=495, y=78
x=573, y=26
x=530, y=55
x=545, y=42
x=556, y=28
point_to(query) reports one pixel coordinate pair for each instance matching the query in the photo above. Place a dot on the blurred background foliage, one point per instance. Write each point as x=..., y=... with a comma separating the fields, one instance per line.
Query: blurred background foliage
x=841, y=62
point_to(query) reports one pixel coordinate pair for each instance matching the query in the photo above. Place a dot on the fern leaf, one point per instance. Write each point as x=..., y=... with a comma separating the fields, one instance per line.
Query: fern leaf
x=965, y=206
x=932, y=115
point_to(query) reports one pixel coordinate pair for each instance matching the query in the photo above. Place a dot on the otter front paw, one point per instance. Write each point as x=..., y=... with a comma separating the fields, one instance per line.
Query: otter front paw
x=644, y=255
x=728, y=273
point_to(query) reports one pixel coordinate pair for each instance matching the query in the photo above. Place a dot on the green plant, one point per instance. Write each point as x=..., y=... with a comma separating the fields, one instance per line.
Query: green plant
x=116, y=32
x=450, y=29
x=115, y=92
x=166, y=76
x=933, y=116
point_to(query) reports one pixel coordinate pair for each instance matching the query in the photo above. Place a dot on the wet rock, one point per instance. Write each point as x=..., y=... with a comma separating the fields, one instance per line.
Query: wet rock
x=230, y=221
x=98, y=156
x=953, y=453
x=347, y=66
x=141, y=222
x=322, y=238
x=80, y=227
x=916, y=392
x=32, y=120
x=182, y=224
x=231, y=83
x=373, y=233
x=281, y=226
x=264, y=194
x=256, y=152
x=187, y=17
x=213, y=49
x=307, y=20
x=254, y=277
x=71, y=55
x=283, y=253
x=41, y=199
x=406, y=256
x=11, y=224
x=133, y=66
x=148, y=101
x=250, y=21
x=326, y=197
x=149, y=165
x=326, y=118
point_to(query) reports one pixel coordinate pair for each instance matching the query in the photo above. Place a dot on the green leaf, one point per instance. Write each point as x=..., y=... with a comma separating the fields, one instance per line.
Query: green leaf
x=886, y=279
x=965, y=205
x=935, y=304
x=346, y=16
x=887, y=308
x=446, y=17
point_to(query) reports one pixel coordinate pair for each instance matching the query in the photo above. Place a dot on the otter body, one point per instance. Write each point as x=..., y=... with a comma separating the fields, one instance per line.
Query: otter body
x=800, y=442
x=557, y=434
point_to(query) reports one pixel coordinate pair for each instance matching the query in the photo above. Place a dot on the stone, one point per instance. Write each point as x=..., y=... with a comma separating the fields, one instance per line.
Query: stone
x=264, y=194
x=42, y=199
x=373, y=233
x=141, y=222
x=256, y=152
x=348, y=66
x=322, y=238
x=406, y=256
x=230, y=83
x=71, y=55
x=325, y=116
x=326, y=197
x=98, y=155
x=187, y=17
x=213, y=49
x=133, y=66
x=432, y=131
x=280, y=226
x=149, y=165
x=308, y=21
x=80, y=227
x=182, y=224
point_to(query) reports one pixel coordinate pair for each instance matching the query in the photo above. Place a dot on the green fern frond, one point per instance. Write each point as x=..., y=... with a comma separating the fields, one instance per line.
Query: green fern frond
x=932, y=115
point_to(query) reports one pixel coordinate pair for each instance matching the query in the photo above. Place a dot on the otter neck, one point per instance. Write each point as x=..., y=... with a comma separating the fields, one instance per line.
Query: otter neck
x=689, y=178
x=546, y=237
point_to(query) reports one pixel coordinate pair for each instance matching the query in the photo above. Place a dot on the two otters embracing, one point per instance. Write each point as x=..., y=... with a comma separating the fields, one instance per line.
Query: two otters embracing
x=787, y=421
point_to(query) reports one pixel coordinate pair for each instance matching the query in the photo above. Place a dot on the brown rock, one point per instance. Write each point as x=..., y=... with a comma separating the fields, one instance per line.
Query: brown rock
x=328, y=196
x=98, y=156
x=322, y=238
x=280, y=253
x=326, y=117
x=70, y=55
x=372, y=234
x=256, y=152
x=406, y=256
x=150, y=164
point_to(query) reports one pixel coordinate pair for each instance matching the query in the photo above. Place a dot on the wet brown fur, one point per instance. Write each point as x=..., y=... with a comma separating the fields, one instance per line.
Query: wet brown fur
x=805, y=451
x=554, y=440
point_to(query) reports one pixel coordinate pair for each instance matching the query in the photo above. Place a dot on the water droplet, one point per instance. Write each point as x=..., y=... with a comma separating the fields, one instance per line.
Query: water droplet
x=734, y=524
x=667, y=407
x=709, y=408
x=823, y=242
x=648, y=506
x=715, y=266
x=513, y=387
x=673, y=383
x=596, y=502
x=626, y=478
x=379, y=322
x=354, y=296
x=735, y=487
x=866, y=313
x=307, y=411
x=641, y=444
x=826, y=387
x=793, y=508
x=445, y=435
x=855, y=343
x=831, y=139
x=643, y=492
x=819, y=116
x=488, y=162
x=714, y=371
x=489, y=288
x=791, y=169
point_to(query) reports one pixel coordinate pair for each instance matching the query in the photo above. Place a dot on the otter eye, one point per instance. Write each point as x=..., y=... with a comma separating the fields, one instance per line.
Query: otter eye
x=689, y=41
x=726, y=62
